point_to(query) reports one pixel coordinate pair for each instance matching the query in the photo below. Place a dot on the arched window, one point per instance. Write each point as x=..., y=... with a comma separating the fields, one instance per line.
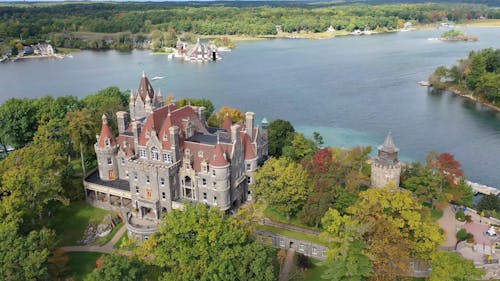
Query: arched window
x=187, y=181
x=154, y=153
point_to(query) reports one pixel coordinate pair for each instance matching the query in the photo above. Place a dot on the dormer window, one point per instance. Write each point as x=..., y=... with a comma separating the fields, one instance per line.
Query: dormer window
x=154, y=153
x=148, y=134
x=142, y=153
x=165, y=137
x=200, y=154
x=167, y=158
x=106, y=142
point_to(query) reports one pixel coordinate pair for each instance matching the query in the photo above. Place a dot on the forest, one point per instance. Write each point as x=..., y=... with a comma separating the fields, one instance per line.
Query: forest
x=478, y=74
x=127, y=25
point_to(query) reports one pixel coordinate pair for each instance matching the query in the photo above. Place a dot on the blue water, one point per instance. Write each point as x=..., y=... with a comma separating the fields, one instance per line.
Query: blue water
x=352, y=90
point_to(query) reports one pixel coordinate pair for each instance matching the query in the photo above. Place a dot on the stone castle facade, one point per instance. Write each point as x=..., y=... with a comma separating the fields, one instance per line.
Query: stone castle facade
x=386, y=168
x=164, y=156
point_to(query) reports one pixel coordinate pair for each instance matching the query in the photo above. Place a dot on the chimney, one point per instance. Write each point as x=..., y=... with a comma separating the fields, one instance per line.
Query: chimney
x=136, y=129
x=174, y=141
x=235, y=133
x=122, y=118
x=201, y=114
x=249, y=124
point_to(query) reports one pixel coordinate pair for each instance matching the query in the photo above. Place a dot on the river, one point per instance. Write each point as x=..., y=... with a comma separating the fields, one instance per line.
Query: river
x=352, y=90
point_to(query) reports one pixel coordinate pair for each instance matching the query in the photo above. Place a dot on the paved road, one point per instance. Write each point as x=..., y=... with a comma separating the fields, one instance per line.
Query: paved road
x=448, y=224
x=107, y=248
x=285, y=273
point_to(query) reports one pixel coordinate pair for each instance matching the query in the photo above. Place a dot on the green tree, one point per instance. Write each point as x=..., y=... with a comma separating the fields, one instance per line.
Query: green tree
x=203, y=244
x=209, y=106
x=118, y=267
x=24, y=257
x=477, y=69
x=18, y=122
x=281, y=134
x=489, y=203
x=300, y=148
x=448, y=266
x=82, y=126
x=282, y=183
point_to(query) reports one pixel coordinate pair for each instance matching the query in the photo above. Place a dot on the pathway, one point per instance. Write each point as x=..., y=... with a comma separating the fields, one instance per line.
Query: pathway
x=448, y=224
x=285, y=273
x=107, y=248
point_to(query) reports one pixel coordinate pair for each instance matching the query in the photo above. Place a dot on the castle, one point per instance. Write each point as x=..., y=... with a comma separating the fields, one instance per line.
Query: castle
x=386, y=168
x=166, y=155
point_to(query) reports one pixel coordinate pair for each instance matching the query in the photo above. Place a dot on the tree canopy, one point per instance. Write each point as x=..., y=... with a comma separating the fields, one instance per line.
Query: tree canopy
x=203, y=244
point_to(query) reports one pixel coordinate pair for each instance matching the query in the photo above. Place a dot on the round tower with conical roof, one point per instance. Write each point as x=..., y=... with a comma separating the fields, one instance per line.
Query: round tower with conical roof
x=386, y=168
x=219, y=165
x=106, y=149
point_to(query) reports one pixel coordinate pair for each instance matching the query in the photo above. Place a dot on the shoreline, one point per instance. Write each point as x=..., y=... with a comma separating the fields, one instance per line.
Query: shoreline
x=470, y=97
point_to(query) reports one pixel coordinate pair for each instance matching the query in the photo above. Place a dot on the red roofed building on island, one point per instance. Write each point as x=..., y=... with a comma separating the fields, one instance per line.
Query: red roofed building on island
x=165, y=156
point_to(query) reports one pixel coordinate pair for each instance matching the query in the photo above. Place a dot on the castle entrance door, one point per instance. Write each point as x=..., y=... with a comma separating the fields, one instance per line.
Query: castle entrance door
x=112, y=175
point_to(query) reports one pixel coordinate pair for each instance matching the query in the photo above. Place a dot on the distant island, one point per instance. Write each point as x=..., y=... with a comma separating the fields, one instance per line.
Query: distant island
x=457, y=35
x=476, y=77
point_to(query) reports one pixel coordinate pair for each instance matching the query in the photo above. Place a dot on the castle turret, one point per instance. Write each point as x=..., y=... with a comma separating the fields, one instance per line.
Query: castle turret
x=386, y=168
x=219, y=165
x=105, y=149
x=122, y=118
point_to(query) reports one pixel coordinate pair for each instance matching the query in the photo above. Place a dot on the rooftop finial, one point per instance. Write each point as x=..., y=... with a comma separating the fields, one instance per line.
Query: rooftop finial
x=143, y=74
x=388, y=145
x=104, y=119
x=218, y=137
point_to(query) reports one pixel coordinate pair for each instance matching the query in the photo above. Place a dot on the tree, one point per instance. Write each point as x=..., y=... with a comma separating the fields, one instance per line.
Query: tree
x=216, y=119
x=448, y=266
x=32, y=176
x=282, y=183
x=346, y=257
x=489, y=202
x=400, y=228
x=281, y=134
x=209, y=106
x=427, y=186
x=24, y=257
x=203, y=244
x=81, y=129
x=300, y=148
x=118, y=267
x=18, y=122
x=107, y=101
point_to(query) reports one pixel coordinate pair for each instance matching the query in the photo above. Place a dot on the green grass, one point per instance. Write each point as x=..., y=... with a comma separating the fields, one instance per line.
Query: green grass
x=290, y=233
x=436, y=214
x=69, y=222
x=103, y=240
x=271, y=213
x=81, y=264
x=121, y=240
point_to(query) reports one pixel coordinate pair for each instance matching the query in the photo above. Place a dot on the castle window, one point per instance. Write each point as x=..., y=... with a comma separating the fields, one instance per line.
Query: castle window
x=249, y=179
x=165, y=137
x=126, y=174
x=204, y=181
x=214, y=184
x=154, y=153
x=142, y=153
x=213, y=172
x=123, y=161
x=147, y=179
x=249, y=167
x=162, y=181
x=136, y=189
x=163, y=196
x=106, y=141
x=148, y=193
x=205, y=196
x=110, y=161
x=215, y=200
x=135, y=175
x=200, y=154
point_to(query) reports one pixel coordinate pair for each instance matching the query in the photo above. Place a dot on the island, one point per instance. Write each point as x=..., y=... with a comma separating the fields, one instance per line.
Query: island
x=457, y=35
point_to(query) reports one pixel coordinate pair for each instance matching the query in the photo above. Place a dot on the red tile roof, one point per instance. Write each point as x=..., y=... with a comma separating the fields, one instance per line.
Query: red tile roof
x=218, y=159
x=249, y=147
x=106, y=133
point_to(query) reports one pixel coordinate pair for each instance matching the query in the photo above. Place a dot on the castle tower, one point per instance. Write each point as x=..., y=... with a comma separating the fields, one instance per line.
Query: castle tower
x=386, y=167
x=220, y=173
x=106, y=149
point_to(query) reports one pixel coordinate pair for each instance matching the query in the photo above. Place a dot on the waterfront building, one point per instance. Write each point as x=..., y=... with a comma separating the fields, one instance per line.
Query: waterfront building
x=166, y=155
x=386, y=168
x=199, y=52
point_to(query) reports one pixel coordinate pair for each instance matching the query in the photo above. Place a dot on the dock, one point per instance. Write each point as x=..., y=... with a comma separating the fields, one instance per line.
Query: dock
x=483, y=189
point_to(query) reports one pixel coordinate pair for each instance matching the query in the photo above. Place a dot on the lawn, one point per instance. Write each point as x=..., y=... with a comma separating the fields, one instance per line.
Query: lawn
x=272, y=214
x=70, y=221
x=81, y=264
x=121, y=240
x=314, y=273
x=290, y=233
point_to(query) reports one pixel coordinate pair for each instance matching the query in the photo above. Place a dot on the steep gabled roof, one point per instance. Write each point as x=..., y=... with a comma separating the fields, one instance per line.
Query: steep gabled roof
x=106, y=134
x=145, y=89
x=248, y=146
x=218, y=159
x=388, y=145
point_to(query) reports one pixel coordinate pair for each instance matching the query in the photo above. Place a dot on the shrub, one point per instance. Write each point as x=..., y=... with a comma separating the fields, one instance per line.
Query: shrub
x=462, y=235
x=470, y=238
x=460, y=215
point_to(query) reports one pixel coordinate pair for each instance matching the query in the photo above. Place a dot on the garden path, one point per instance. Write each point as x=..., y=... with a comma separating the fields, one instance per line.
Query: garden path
x=107, y=248
x=285, y=273
x=448, y=224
